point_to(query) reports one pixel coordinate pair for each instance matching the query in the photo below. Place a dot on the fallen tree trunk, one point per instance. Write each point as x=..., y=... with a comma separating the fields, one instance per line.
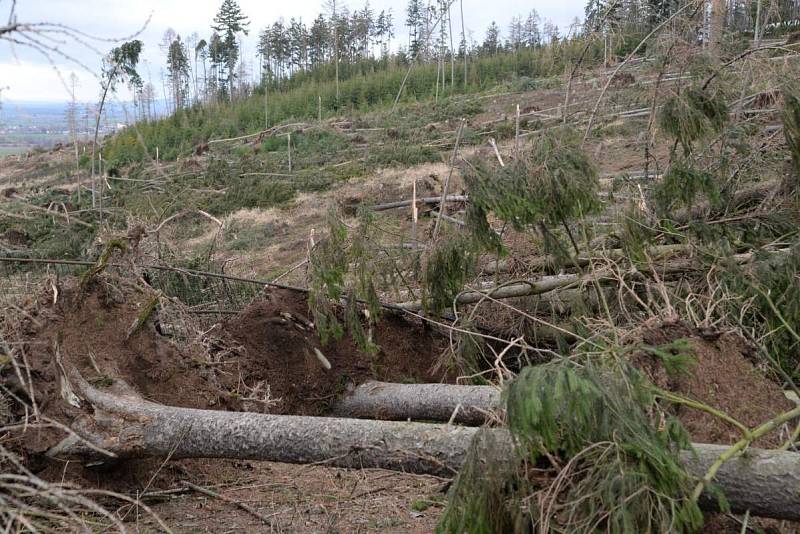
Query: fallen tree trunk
x=549, y=283
x=765, y=482
x=550, y=264
x=519, y=289
x=421, y=200
x=742, y=199
x=468, y=405
x=127, y=426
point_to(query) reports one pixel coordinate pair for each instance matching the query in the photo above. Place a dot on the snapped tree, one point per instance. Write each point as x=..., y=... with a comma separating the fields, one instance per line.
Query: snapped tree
x=120, y=64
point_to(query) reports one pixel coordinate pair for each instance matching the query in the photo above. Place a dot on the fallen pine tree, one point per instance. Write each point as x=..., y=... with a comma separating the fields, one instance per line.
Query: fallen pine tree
x=550, y=283
x=767, y=483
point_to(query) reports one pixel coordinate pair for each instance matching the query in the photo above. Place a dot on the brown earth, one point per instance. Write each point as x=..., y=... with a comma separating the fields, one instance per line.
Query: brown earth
x=278, y=349
x=260, y=360
x=723, y=376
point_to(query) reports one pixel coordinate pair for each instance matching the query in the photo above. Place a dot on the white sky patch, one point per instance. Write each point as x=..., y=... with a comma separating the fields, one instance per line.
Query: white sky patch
x=27, y=81
x=34, y=79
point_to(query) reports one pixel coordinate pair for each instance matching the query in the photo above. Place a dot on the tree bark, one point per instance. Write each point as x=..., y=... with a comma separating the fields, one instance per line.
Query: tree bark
x=765, y=482
x=423, y=200
x=742, y=199
x=129, y=427
x=520, y=289
x=468, y=405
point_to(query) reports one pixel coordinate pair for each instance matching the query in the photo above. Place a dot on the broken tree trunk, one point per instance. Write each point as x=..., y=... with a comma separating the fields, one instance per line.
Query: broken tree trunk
x=547, y=284
x=518, y=289
x=765, y=482
x=468, y=405
x=421, y=200
x=742, y=199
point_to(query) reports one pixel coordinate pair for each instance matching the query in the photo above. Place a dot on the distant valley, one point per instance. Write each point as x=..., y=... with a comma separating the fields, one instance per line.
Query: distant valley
x=26, y=126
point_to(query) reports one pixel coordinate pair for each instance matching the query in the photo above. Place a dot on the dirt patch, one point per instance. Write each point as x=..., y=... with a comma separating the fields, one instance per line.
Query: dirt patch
x=723, y=377
x=90, y=331
x=277, y=348
x=297, y=498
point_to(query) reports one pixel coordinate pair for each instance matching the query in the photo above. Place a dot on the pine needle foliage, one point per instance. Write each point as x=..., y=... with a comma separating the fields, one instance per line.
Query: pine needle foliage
x=617, y=451
x=479, y=502
x=328, y=265
x=635, y=233
x=692, y=115
x=682, y=184
x=450, y=263
x=362, y=286
x=554, y=182
x=341, y=266
x=483, y=234
x=769, y=304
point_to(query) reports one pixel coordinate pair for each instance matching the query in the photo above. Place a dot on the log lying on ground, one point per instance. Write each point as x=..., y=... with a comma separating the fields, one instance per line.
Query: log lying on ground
x=742, y=199
x=546, y=284
x=547, y=263
x=550, y=264
x=765, y=482
x=519, y=289
x=129, y=427
x=421, y=200
x=468, y=405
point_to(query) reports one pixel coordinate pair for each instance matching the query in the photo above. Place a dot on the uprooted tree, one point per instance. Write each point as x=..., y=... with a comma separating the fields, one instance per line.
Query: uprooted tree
x=593, y=420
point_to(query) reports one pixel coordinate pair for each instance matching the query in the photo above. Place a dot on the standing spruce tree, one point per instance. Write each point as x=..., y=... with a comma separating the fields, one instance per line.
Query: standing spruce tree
x=230, y=21
x=491, y=44
x=217, y=60
x=318, y=41
x=201, y=51
x=413, y=21
x=331, y=6
x=530, y=31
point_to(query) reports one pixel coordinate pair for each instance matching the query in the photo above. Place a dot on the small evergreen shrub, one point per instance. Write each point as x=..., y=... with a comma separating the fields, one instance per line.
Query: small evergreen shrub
x=331, y=278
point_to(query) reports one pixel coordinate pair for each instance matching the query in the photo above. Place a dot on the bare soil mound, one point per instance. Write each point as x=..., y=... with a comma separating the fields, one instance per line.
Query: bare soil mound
x=276, y=345
x=723, y=376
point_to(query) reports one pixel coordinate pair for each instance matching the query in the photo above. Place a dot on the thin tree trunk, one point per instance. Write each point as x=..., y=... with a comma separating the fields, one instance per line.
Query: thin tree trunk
x=446, y=185
x=519, y=289
x=336, y=49
x=452, y=50
x=717, y=23
x=464, y=41
x=424, y=200
x=765, y=482
x=97, y=127
x=266, y=104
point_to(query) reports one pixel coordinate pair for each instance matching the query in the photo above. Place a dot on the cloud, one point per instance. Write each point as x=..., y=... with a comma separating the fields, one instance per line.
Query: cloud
x=30, y=77
x=27, y=81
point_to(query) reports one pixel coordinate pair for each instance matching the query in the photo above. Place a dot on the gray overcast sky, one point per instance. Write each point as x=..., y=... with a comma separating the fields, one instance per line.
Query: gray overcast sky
x=29, y=76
